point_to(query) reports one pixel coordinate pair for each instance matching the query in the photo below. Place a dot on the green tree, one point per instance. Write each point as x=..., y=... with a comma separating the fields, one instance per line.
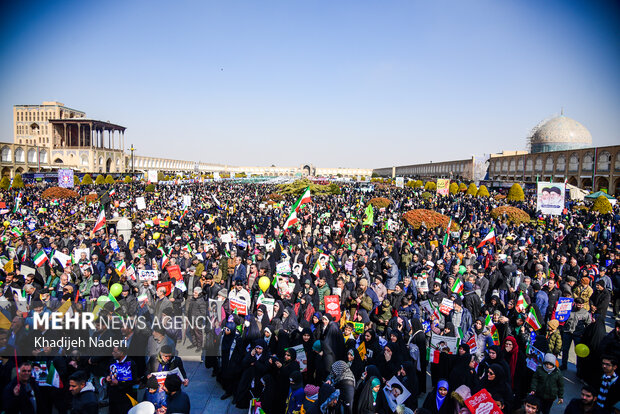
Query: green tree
x=515, y=193
x=472, y=189
x=109, y=179
x=150, y=188
x=5, y=183
x=87, y=179
x=334, y=189
x=18, y=182
x=454, y=188
x=76, y=180
x=127, y=179
x=160, y=176
x=483, y=191
x=167, y=178
x=602, y=205
x=462, y=187
x=100, y=179
x=374, y=175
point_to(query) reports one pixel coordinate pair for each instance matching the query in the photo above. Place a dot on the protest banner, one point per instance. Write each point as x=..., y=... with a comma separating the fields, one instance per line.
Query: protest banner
x=563, y=309
x=445, y=343
x=147, y=275
x=238, y=305
x=161, y=376
x=141, y=203
x=332, y=306
x=301, y=357
x=443, y=186
x=446, y=306
x=283, y=268
x=482, y=403
x=174, y=272
x=268, y=302
x=550, y=198
x=395, y=393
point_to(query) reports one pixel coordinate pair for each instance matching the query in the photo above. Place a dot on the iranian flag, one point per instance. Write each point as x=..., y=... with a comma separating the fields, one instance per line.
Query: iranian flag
x=100, y=221
x=491, y=326
x=457, y=287
x=520, y=307
x=188, y=248
x=183, y=213
x=332, y=265
x=40, y=258
x=18, y=200
x=432, y=355
x=120, y=267
x=292, y=218
x=164, y=258
x=446, y=236
x=316, y=268
x=112, y=192
x=532, y=319
x=53, y=378
x=473, y=345
x=490, y=237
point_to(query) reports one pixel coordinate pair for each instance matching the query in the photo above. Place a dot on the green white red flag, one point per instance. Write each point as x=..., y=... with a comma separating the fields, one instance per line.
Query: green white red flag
x=40, y=258
x=489, y=238
x=532, y=319
x=100, y=223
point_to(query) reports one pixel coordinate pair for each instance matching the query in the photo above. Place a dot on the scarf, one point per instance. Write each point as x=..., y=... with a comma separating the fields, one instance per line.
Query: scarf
x=375, y=381
x=439, y=399
x=512, y=357
x=341, y=372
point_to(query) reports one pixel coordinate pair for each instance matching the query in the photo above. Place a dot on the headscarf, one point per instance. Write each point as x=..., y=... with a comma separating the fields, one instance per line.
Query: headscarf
x=341, y=372
x=439, y=399
x=512, y=357
x=373, y=383
x=479, y=331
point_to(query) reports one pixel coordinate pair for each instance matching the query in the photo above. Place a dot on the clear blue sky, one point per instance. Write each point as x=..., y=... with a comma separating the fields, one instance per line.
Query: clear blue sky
x=334, y=83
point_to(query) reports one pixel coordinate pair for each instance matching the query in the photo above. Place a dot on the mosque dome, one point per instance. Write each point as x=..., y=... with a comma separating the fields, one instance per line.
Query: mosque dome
x=560, y=133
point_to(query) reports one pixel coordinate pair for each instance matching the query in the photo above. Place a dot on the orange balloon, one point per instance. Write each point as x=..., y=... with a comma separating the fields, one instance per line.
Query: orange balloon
x=116, y=203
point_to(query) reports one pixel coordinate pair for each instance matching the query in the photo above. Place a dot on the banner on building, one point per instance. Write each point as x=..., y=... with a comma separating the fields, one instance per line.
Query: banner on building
x=550, y=198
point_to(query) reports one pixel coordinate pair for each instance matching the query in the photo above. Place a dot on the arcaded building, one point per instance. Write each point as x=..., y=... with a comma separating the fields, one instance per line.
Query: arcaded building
x=561, y=150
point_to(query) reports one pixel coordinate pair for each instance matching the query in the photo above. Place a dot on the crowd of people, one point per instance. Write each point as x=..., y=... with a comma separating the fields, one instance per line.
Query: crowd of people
x=341, y=310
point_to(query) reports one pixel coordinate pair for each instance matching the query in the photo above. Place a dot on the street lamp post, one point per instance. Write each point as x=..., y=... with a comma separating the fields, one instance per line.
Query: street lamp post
x=132, y=170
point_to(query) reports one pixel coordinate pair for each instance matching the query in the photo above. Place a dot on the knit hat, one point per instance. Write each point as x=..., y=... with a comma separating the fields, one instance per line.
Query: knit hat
x=553, y=324
x=317, y=346
x=468, y=287
x=311, y=390
x=549, y=358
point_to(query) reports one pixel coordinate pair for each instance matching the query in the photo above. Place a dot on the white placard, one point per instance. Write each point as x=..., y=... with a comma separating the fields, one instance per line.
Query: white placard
x=140, y=203
x=152, y=176
x=187, y=201
x=144, y=274
x=283, y=268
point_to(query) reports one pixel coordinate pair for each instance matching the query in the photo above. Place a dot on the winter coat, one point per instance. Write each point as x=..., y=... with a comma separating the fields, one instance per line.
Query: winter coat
x=548, y=386
x=555, y=343
x=86, y=401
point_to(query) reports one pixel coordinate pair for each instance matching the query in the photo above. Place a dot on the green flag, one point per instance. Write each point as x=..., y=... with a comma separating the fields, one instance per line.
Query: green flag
x=370, y=216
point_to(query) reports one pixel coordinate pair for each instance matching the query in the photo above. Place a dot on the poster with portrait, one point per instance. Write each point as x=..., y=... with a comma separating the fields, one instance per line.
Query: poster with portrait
x=268, y=302
x=442, y=343
x=301, y=357
x=152, y=176
x=215, y=313
x=65, y=178
x=395, y=393
x=550, y=198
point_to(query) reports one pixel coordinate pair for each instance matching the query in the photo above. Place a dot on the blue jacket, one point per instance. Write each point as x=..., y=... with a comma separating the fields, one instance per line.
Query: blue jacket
x=542, y=301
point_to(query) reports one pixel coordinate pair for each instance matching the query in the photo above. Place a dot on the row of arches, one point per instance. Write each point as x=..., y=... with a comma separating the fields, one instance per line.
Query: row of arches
x=155, y=163
x=19, y=155
x=559, y=163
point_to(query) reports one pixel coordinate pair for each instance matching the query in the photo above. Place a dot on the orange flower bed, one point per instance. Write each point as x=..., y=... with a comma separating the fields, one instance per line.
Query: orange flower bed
x=513, y=214
x=54, y=193
x=380, y=202
x=430, y=218
x=90, y=198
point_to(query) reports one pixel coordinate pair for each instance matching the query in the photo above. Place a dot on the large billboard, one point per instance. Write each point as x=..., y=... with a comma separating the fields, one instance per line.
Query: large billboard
x=550, y=198
x=443, y=186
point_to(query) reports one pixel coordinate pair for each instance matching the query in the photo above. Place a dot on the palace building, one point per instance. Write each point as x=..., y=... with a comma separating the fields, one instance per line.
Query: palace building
x=52, y=136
